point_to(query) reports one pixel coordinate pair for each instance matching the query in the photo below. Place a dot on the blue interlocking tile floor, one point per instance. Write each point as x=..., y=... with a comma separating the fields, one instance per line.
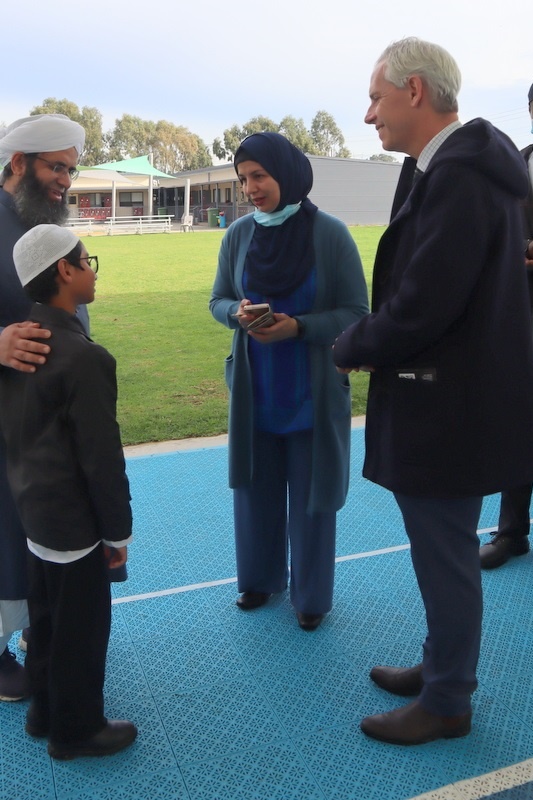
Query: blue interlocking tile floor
x=234, y=706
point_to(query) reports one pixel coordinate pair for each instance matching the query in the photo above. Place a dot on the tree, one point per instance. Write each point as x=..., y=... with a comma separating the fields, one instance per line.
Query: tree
x=324, y=139
x=90, y=118
x=384, y=157
x=202, y=156
x=219, y=149
x=296, y=132
x=131, y=137
x=232, y=139
x=176, y=149
x=258, y=124
x=233, y=136
x=327, y=136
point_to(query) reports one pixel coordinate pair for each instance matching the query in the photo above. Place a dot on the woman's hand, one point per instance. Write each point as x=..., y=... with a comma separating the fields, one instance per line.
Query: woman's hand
x=243, y=318
x=285, y=327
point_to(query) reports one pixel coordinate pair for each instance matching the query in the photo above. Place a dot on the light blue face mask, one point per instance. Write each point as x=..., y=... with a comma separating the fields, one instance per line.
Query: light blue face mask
x=276, y=217
x=532, y=126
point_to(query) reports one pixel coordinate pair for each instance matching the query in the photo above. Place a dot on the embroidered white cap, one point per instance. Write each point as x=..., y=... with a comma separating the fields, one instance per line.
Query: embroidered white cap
x=41, y=247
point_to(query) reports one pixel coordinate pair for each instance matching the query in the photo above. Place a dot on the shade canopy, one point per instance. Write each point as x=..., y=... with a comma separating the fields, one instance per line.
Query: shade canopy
x=135, y=166
x=91, y=176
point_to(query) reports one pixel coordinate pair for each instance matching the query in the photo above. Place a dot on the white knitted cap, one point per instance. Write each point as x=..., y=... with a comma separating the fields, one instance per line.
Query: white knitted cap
x=41, y=247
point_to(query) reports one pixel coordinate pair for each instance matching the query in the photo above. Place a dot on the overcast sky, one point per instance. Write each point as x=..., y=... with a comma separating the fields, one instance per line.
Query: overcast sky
x=210, y=64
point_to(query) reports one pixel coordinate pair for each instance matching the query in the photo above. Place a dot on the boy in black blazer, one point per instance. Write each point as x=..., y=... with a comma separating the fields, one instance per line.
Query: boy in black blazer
x=67, y=474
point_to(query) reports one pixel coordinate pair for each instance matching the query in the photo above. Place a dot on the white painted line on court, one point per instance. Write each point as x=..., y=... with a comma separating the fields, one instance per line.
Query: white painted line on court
x=371, y=553
x=484, y=785
x=192, y=587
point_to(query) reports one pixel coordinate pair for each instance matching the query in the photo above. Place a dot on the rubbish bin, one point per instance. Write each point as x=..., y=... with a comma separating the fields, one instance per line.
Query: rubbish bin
x=222, y=219
x=212, y=214
x=162, y=212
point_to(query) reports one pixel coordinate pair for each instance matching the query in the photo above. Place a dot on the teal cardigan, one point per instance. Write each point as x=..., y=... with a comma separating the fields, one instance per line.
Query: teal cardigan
x=341, y=299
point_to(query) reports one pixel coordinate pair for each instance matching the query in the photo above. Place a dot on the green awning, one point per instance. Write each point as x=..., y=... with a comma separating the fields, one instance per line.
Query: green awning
x=135, y=166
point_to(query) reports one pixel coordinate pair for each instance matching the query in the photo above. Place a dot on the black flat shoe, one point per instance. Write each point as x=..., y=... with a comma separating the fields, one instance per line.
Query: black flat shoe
x=309, y=622
x=247, y=601
x=116, y=735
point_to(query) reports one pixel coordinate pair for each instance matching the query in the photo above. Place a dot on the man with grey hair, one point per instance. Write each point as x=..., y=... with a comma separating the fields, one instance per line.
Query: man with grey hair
x=448, y=343
x=38, y=155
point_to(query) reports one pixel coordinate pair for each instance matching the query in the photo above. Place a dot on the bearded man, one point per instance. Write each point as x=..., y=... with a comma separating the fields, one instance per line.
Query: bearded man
x=38, y=155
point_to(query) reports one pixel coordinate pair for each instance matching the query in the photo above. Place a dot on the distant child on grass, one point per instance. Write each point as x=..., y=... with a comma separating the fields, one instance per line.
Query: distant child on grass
x=67, y=473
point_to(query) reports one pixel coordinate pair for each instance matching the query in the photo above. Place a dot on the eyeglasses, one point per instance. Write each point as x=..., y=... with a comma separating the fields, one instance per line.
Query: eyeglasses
x=92, y=261
x=60, y=169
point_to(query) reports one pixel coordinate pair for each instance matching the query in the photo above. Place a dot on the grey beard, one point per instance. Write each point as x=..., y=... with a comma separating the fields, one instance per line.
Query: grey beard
x=33, y=205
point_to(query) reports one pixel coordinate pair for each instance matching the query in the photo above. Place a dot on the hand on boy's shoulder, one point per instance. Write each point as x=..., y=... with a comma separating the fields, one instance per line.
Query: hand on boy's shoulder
x=19, y=348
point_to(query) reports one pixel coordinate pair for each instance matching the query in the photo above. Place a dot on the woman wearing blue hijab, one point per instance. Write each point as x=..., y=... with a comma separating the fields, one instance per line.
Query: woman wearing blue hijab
x=290, y=411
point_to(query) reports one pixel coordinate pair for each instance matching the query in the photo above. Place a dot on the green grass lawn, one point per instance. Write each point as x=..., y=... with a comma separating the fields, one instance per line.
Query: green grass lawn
x=151, y=313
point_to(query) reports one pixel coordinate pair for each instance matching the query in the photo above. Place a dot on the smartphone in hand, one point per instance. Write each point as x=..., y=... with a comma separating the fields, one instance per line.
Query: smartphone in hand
x=263, y=316
x=257, y=310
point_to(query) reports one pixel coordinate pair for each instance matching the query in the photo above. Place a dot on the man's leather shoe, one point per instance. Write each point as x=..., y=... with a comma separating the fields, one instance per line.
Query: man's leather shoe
x=396, y=680
x=115, y=736
x=247, y=601
x=309, y=622
x=501, y=549
x=412, y=724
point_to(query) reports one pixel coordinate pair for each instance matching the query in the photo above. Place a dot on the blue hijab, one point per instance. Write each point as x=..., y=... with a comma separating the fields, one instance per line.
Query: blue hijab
x=280, y=257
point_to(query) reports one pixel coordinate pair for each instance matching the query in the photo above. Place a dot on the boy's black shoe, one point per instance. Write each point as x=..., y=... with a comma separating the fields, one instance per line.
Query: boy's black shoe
x=13, y=681
x=117, y=734
x=35, y=725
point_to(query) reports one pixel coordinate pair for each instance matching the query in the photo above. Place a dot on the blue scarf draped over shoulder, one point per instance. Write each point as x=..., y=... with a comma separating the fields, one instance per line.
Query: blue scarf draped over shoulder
x=280, y=256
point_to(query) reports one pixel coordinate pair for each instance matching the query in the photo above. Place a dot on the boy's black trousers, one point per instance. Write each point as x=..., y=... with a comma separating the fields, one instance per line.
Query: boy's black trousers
x=70, y=619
